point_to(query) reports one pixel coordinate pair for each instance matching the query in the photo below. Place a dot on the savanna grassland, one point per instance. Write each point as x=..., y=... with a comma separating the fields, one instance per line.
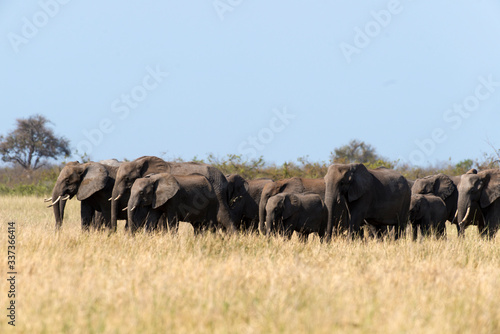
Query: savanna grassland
x=78, y=282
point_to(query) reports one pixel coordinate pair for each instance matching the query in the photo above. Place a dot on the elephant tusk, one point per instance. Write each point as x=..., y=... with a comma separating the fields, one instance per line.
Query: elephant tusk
x=125, y=208
x=133, y=208
x=455, y=218
x=54, y=203
x=110, y=199
x=48, y=199
x=118, y=197
x=66, y=198
x=466, y=214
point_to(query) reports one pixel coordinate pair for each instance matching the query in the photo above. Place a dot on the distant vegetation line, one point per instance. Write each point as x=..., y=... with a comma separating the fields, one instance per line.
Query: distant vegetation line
x=33, y=143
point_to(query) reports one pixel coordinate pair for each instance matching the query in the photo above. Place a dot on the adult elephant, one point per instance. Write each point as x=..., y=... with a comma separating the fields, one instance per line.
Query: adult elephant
x=377, y=196
x=92, y=184
x=291, y=185
x=190, y=198
x=442, y=186
x=428, y=212
x=244, y=198
x=140, y=167
x=479, y=201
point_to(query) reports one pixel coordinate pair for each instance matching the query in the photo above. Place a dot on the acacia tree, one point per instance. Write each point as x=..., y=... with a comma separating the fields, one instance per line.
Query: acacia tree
x=32, y=143
x=354, y=152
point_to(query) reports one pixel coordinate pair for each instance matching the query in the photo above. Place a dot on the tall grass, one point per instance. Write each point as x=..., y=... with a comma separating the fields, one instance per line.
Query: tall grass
x=76, y=282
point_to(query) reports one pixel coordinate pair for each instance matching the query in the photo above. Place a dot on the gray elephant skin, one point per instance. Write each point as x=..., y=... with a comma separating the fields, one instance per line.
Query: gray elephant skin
x=292, y=185
x=378, y=196
x=132, y=170
x=244, y=198
x=92, y=184
x=479, y=201
x=444, y=187
x=303, y=213
x=189, y=198
x=429, y=212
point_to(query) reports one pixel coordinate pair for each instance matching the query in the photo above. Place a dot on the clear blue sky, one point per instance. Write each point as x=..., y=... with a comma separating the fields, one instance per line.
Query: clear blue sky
x=419, y=80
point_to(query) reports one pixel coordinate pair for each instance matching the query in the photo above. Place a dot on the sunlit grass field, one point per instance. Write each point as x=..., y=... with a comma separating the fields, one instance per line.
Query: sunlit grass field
x=78, y=282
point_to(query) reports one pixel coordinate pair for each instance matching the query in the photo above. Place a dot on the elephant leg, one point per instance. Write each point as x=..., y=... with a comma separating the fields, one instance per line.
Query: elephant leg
x=197, y=227
x=106, y=218
x=482, y=228
x=355, y=224
x=414, y=228
x=172, y=221
x=225, y=217
x=441, y=231
x=169, y=226
x=98, y=221
x=87, y=215
x=425, y=229
x=152, y=220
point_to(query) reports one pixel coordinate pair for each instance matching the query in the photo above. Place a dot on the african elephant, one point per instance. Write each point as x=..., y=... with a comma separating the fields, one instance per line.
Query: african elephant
x=244, y=199
x=479, y=201
x=292, y=185
x=304, y=213
x=430, y=213
x=140, y=167
x=442, y=186
x=190, y=198
x=377, y=196
x=92, y=183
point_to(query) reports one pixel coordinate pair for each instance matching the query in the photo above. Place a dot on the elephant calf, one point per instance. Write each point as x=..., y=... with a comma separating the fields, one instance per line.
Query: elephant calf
x=188, y=198
x=304, y=213
x=429, y=212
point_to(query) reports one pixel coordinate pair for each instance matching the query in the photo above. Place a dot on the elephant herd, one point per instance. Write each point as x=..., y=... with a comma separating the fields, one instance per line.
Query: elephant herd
x=150, y=193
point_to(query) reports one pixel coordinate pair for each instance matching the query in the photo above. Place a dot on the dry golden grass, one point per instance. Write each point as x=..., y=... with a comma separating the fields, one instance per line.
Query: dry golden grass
x=78, y=282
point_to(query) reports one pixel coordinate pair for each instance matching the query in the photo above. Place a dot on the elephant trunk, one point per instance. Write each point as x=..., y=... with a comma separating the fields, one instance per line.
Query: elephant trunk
x=466, y=213
x=117, y=194
x=58, y=205
x=112, y=223
x=270, y=223
x=57, y=215
x=136, y=217
x=336, y=204
x=262, y=213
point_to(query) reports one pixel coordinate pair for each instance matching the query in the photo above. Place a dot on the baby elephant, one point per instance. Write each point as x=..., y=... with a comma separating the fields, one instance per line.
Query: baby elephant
x=429, y=212
x=304, y=213
x=188, y=198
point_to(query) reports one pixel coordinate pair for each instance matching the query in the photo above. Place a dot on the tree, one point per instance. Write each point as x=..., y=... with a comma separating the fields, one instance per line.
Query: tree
x=354, y=152
x=32, y=142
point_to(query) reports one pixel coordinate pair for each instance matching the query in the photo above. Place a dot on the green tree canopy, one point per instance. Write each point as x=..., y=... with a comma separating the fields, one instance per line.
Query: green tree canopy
x=355, y=151
x=32, y=143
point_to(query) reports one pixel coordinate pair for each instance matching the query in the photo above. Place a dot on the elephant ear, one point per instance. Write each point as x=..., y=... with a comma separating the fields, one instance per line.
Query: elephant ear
x=424, y=185
x=166, y=188
x=236, y=187
x=491, y=191
x=359, y=183
x=444, y=187
x=95, y=177
x=291, y=204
